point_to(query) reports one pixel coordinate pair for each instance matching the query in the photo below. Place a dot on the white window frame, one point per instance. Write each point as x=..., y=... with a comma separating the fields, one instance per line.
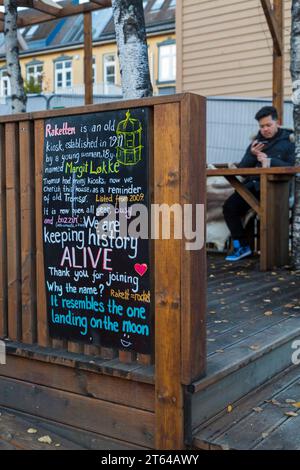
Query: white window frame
x=109, y=63
x=151, y=65
x=36, y=74
x=94, y=71
x=167, y=62
x=5, y=89
x=157, y=5
x=66, y=67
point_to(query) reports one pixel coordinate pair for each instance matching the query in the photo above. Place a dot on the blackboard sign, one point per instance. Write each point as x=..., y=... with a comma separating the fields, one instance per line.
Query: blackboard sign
x=97, y=267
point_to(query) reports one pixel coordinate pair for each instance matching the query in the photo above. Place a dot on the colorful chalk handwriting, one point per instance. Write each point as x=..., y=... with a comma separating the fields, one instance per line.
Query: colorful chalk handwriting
x=97, y=282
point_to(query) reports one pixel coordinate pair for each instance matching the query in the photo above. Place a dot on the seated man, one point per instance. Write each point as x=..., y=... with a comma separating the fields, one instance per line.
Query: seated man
x=272, y=146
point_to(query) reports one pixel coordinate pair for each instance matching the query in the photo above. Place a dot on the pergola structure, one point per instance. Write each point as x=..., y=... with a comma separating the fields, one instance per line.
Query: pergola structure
x=275, y=19
x=40, y=11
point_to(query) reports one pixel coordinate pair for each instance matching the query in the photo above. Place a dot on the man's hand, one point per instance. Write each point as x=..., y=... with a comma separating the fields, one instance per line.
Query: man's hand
x=256, y=148
x=263, y=159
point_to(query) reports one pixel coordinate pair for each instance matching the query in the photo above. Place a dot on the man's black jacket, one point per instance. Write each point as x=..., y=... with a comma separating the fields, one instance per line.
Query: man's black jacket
x=281, y=150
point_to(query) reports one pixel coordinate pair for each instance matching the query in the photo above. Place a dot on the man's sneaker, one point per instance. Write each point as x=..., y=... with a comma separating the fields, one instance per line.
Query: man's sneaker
x=239, y=252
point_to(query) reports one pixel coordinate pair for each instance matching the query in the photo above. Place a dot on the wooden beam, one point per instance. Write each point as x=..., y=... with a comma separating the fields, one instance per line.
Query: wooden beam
x=274, y=26
x=245, y=193
x=169, y=393
x=278, y=62
x=42, y=13
x=39, y=6
x=99, y=2
x=88, y=59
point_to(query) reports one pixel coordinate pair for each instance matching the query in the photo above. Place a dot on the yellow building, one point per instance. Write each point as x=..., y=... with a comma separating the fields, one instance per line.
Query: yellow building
x=53, y=54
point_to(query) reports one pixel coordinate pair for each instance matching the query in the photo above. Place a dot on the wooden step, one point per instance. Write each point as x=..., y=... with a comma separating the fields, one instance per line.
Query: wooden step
x=14, y=434
x=14, y=426
x=242, y=367
x=265, y=419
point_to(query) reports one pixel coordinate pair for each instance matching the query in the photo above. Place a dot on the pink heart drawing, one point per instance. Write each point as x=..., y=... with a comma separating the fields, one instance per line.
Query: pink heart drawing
x=140, y=268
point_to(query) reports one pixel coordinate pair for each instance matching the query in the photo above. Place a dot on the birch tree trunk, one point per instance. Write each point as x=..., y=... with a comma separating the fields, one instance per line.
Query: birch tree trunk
x=295, y=72
x=18, y=97
x=132, y=48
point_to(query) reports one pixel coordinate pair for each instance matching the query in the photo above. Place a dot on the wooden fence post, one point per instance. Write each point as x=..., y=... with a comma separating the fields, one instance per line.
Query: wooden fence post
x=180, y=275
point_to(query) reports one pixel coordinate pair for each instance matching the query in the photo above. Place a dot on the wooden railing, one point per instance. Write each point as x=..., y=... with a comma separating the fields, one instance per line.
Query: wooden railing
x=178, y=279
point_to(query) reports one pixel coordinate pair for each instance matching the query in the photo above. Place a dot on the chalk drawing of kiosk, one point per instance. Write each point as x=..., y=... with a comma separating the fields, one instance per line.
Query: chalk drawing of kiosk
x=129, y=133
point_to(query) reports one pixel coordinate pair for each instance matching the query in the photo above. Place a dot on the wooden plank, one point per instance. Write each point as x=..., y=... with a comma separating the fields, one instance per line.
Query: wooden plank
x=39, y=6
x=248, y=432
x=223, y=422
x=13, y=231
x=86, y=383
x=179, y=46
x=29, y=333
x=107, y=367
x=42, y=321
x=84, y=439
x=193, y=262
x=278, y=234
x=241, y=354
x=274, y=24
x=59, y=344
x=86, y=413
x=169, y=394
x=245, y=193
x=278, y=61
x=264, y=253
x=75, y=347
x=13, y=430
x=108, y=353
x=287, y=170
x=234, y=312
x=95, y=108
x=127, y=357
x=145, y=359
x=33, y=16
x=244, y=330
x=88, y=58
x=3, y=238
x=233, y=386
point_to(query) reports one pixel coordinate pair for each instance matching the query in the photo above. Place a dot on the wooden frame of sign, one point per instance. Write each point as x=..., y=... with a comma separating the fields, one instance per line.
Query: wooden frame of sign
x=146, y=395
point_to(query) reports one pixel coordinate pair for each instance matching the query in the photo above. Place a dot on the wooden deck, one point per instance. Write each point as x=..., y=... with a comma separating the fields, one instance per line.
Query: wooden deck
x=253, y=320
x=20, y=431
x=244, y=303
x=266, y=419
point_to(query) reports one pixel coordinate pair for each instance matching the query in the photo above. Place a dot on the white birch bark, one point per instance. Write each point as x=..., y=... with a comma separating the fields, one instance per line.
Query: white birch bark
x=18, y=97
x=295, y=72
x=132, y=48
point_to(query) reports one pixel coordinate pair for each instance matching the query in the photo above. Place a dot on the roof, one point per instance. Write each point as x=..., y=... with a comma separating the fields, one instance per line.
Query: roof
x=159, y=18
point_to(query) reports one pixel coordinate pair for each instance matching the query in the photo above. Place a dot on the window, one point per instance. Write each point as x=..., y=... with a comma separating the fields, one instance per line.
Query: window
x=30, y=32
x=63, y=74
x=172, y=4
x=34, y=73
x=109, y=77
x=157, y=5
x=167, y=62
x=4, y=84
